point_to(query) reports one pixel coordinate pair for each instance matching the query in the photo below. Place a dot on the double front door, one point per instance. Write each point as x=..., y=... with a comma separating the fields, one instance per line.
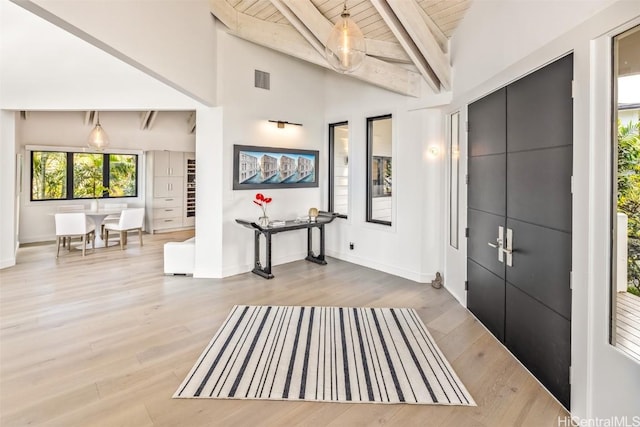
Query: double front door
x=519, y=219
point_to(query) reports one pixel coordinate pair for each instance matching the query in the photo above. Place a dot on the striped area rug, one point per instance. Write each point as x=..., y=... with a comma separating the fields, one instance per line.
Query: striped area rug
x=328, y=354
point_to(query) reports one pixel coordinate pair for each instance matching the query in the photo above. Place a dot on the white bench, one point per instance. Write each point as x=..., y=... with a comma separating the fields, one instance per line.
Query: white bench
x=180, y=257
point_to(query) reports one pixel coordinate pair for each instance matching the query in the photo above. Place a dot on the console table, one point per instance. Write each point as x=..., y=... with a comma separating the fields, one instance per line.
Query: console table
x=322, y=219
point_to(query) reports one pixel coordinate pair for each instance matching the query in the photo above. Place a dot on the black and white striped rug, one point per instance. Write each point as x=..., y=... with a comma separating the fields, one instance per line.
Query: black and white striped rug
x=329, y=354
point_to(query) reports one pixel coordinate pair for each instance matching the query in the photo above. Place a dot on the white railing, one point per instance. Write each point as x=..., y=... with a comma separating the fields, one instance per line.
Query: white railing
x=622, y=252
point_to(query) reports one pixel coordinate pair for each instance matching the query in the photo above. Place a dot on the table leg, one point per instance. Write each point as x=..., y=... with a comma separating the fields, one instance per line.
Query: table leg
x=319, y=259
x=257, y=267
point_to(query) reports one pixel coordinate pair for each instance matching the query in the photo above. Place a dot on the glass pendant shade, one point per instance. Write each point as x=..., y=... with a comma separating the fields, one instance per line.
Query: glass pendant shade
x=98, y=138
x=345, y=48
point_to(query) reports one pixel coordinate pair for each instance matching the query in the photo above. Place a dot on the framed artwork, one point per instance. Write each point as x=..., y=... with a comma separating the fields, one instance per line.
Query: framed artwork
x=268, y=167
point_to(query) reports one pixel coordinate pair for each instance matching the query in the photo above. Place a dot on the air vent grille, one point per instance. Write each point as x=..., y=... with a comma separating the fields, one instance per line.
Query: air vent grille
x=262, y=80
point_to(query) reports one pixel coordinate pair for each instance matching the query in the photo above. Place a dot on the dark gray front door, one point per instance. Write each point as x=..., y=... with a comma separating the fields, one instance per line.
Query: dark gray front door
x=520, y=163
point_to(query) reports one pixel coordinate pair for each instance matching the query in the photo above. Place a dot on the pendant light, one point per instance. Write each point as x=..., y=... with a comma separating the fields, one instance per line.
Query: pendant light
x=98, y=138
x=345, y=48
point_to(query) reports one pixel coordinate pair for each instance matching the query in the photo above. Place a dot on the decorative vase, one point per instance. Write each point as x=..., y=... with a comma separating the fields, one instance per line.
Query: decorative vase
x=94, y=205
x=263, y=221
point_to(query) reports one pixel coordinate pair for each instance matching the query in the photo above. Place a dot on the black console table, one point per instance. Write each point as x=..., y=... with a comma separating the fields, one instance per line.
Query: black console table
x=322, y=219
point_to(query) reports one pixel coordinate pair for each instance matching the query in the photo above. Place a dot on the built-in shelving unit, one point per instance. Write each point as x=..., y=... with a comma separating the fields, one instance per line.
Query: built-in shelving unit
x=191, y=188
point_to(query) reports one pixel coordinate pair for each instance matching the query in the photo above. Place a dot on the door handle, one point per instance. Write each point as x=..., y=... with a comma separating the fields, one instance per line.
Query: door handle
x=508, y=249
x=493, y=245
x=498, y=244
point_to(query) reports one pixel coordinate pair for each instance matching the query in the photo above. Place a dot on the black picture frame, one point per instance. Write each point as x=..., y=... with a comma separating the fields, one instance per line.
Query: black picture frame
x=282, y=167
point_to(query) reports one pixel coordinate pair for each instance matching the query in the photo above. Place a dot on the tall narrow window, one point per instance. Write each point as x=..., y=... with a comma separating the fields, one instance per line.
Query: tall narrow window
x=379, y=170
x=625, y=284
x=339, y=168
x=454, y=156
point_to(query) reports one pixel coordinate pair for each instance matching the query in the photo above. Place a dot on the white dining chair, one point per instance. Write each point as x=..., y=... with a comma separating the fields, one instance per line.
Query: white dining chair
x=69, y=208
x=111, y=218
x=130, y=220
x=74, y=224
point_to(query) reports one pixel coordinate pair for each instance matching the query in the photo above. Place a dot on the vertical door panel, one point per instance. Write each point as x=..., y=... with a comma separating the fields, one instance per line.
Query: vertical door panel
x=487, y=124
x=539, y=187
x=483, y=229
x=486, y=301
x=541, y=340
x=541, y=108
x=487, y=183
x=536, y=246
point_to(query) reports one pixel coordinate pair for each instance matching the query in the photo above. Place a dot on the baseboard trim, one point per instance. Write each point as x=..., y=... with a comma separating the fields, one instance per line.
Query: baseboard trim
x=407, y=274
x=8, y=262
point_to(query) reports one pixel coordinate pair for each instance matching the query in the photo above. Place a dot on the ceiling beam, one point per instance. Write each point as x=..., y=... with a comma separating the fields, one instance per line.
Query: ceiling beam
x=411, y=18
x=288, y=40
x=441, y=38
x=321, y=27
x=407, y=43
x=299, y=25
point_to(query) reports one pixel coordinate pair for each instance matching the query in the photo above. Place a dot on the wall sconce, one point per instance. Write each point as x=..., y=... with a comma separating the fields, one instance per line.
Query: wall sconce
x=281, y=123
x=433, y=151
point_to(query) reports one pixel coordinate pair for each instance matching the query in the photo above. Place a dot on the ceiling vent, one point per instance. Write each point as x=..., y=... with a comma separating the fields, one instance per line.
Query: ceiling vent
x=262, y=80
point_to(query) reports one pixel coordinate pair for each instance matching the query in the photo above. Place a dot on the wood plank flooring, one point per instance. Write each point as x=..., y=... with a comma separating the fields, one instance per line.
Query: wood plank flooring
x=628, y=323
x=105, y=340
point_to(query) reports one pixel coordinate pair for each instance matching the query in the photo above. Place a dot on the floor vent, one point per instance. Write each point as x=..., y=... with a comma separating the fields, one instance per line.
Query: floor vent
x=262, y=79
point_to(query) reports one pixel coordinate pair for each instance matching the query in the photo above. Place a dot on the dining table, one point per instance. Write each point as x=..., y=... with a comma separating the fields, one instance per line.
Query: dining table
x=97, y=216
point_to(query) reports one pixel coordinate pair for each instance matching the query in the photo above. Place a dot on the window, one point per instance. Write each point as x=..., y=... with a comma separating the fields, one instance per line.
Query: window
x=339, y=168
x=454, y=156
x=625, y=267
x=379, y=170
x=49, y=175
x=58, y=175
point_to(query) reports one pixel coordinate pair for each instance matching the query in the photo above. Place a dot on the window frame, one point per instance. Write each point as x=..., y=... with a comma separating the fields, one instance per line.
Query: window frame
x=69, y=172
x=331, y=180
x=369, y=136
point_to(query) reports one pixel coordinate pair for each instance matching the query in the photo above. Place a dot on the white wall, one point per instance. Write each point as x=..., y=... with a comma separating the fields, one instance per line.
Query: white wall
x=605, y=383
x=296, y=95
x=410, y=247
x=66, y=129
x=174, y=41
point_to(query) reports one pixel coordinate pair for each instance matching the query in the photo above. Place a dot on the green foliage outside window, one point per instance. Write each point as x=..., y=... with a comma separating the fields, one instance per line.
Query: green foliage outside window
x=629, y=196
x=49, y=180
x=87, y=176
x=93, y=175
x=122, y=175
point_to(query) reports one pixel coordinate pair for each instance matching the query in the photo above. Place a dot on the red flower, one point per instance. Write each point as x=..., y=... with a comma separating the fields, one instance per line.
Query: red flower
x=262, y=202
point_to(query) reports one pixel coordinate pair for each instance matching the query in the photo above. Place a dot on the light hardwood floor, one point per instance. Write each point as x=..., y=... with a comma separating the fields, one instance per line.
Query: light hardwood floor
x=105, y=340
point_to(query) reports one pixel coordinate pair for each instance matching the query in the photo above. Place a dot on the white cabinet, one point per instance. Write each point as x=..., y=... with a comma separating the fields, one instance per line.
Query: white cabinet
x=166, y=189
x=168, y=163
x=168, y=186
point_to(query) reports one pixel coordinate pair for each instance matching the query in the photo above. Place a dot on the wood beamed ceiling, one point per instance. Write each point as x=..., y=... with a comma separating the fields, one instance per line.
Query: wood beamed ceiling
x=406, y=40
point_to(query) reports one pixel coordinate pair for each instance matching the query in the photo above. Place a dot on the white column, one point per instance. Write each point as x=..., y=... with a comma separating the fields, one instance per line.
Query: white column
x=8, y=193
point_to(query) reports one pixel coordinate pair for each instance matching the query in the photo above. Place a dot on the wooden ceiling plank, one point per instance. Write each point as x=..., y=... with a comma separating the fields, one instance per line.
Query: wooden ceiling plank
x=408, y=12
x=285, y=39
x=407, y=43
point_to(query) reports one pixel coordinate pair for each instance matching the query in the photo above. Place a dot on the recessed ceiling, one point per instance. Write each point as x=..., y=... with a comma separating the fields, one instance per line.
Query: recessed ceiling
x=407, y=40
